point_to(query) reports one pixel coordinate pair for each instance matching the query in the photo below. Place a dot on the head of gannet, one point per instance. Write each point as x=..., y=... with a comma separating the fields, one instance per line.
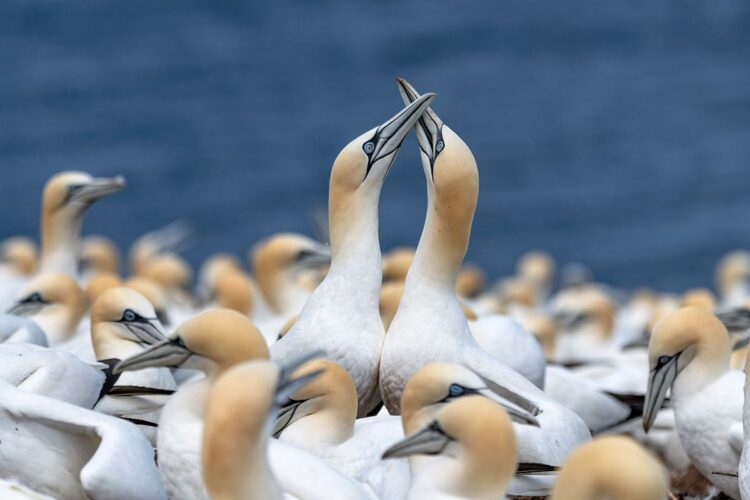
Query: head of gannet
x=585, y=309
x=153, y=293
x=171, y=238
x=65, y=199
x=517, y=292
x=239, y=412
x=438, y=383
x=396, y=263
x=99, y=255
x=213, y=268
x=279, y=261
x=478, y=436
x=611, y=467
x=538, y=268
x=122, y=322
x=733, y=271
x=211, y=341
x=170, y=271
x=699, y=297
x=20, y=254
x=688, y=350
x=470, y=281
x=233, y=290
x=328, y=404
x=452, y=187
x=100, y=283
x=55, y=302
x=357, y=177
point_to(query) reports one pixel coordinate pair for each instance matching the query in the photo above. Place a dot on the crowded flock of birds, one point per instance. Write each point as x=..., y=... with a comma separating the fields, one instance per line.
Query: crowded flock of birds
x=334, y=372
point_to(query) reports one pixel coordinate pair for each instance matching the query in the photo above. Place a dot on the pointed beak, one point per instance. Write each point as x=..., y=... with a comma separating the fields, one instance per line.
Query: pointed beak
x=150, y=332
x=516, y=413
x=313, y=258
x=99, y=188
x=429, y=441
x=429, y=127
x=520, y=409
x=389, y=136
x=659, y=381
x=25, y=308
x=169, y=352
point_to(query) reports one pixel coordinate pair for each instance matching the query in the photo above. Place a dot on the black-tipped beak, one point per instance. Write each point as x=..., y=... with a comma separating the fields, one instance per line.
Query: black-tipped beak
x=98, y=188
x=170, y=352
x=429, y=127
x=659, y=381
x=429, y=441
x=383, y=146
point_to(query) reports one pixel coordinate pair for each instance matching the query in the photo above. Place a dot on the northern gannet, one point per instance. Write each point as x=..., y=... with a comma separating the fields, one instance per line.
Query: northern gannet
x=470, y=281
x=320, y=417
x=212, y=269
x=76, y=453
x=65, y=199
x=168, y=239
x=54, y=302
x=18, y=260
x=476, y=437
x=123, y=324
x=396, y=263
x=278, y=262
x=233, y=290
x=538, y=269
x=238, y=461
x=430, y=325
x=212, y=342
x=174, y=275
x=689, y=352
x=613, y=467
x=341, y=317
x=98, y=255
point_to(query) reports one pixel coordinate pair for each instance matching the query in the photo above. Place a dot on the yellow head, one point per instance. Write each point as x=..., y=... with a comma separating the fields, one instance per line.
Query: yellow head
x=20, y=254
x=100, y=255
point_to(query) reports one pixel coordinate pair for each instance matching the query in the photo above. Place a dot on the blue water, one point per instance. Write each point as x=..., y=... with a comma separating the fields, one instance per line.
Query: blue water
x=612, y=133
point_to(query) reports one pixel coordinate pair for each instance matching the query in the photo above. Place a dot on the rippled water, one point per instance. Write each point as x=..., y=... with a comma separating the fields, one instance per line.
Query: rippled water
x=613, y=133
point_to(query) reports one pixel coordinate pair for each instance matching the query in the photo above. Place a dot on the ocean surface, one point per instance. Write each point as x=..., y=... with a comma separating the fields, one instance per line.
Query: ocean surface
x=616, y=134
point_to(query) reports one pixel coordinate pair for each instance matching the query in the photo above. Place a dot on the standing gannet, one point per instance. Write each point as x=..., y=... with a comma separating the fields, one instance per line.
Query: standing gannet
x=153, y=292
x=613, y=467
x=430, y=325
x=18, y=257
x=168, y=239
x=76, y=453
x=174, y=275
x=320, y=417
x=689, y=352
x=54, y=302
x=239, y=462
x=212, y=342
x=65, y=199
x=233, y=290
x=341, y=317
x=212, y=269
x=99, y=284
x=476, y=437
x=537, y=268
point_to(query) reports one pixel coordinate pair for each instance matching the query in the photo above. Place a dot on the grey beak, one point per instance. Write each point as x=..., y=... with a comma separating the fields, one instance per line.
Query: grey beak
x=169, y=352
x=429, y=127
x=99, y=188
x=659, y=382
x=388, y=137
x=429, y=441
x=150, y=332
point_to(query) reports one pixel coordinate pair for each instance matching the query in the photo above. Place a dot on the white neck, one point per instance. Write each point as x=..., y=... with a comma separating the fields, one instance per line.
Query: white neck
x=60, y=244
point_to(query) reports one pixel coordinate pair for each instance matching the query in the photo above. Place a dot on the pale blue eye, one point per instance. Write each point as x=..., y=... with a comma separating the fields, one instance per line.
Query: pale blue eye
x=439, y=146
x=455, y=390
x=369, y=147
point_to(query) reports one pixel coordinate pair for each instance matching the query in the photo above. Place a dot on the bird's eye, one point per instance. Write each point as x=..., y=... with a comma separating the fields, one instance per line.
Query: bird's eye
x=663, y=360
x=129, y=315
x=368, y=147
x=455, y=390
x=34, y=297
x=439, y=146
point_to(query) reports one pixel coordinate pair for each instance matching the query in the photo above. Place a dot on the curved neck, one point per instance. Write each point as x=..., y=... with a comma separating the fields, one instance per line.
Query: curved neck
x=711, y=362
x=441, y=248
x=355, y=243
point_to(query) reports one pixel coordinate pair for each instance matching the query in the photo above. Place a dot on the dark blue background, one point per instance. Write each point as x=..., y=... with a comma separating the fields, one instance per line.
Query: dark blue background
x=613, y=133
